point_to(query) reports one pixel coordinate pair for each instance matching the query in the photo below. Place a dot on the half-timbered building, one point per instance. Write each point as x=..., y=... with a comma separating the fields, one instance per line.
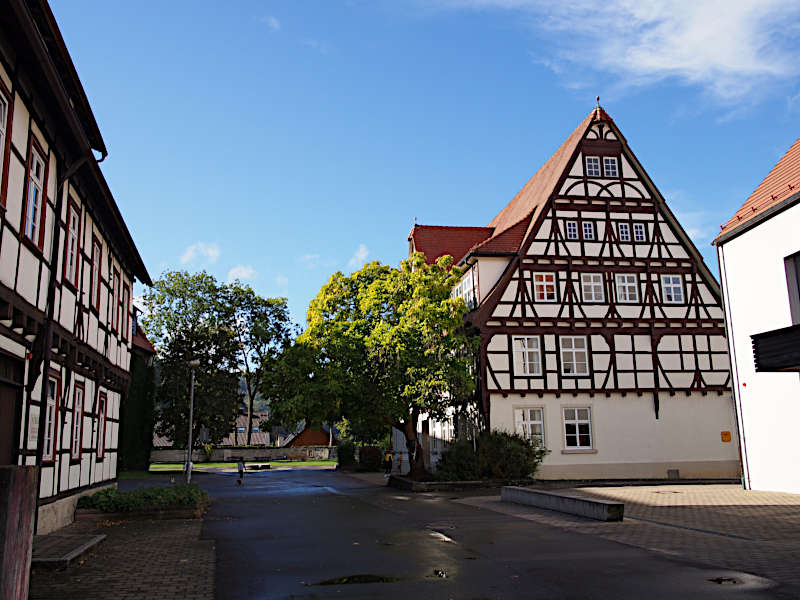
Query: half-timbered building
x=759, y=262
x=67, y=267
x=602, y=333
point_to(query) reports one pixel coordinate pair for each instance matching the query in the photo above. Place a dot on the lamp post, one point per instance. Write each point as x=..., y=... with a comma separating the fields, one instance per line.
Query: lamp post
x=193, y=364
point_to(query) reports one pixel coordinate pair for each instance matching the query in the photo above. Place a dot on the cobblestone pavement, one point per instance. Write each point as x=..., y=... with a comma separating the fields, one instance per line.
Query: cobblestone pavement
x=139, y=559
x=719, y=525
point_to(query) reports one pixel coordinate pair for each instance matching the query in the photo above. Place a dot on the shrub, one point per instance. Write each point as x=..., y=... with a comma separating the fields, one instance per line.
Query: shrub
x=346, y=453
x=207, y=451
x=112, y=500
x=499, y=455
x=370, y=458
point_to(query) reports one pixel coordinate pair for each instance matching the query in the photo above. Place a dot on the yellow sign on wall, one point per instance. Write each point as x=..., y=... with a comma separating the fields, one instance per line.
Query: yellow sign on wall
x=726, y=436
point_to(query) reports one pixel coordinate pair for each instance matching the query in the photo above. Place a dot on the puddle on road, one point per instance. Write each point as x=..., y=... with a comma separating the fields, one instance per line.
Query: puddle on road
x=358, y=579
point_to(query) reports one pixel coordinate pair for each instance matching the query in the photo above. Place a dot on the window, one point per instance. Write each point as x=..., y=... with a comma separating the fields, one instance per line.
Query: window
x=530, y=424
x=71, y=249
x=113, y=305
x=468, y=290
x=527, y=355
x=791, y=265
x=51, y=419
x=574, y=359
x=578, y=427
x=77, y=421
x=639, y=232
x=588, y=230
x=610, y=166
x=672, y=289
x=126, y=309
x=593, y=166
x=241, y=429
x=624, y=232
x=35, y=198
x=592, y=287
x=256, y=429
x=101, y=426
x=3, y=130
x=627, y=288
x=572, y=230
x=97, y=254
x=544, y=287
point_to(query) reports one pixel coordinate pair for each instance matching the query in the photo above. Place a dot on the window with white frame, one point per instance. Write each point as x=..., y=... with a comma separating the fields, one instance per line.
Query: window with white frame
x=468, y=290
x=574, y=355
x=73, y=235
x=50, y=420
x=3, y=123
x=592, y=287
x=639, y=232
x=530, y=424
x=527, y=355
x=544, y=287
x=672, y=289
x=572, y=230
x=593, y=166
x=624, y=232
x=588, y=230
x=35, y=198
x=97, y=251
x=578, y=427
x=101, y=426
x=610, y=166
x=125, y=307
x=77, y=421
x=627, y=288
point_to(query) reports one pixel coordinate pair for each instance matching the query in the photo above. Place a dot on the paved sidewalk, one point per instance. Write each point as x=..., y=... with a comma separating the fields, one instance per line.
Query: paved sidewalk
x=720, y=525
x=137, y=560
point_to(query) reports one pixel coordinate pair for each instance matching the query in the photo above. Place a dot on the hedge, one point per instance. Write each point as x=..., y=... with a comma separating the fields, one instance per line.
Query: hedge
x=112, y=500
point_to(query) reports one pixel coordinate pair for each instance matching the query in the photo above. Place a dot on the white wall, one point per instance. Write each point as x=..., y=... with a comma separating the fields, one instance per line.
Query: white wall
x=756, y=300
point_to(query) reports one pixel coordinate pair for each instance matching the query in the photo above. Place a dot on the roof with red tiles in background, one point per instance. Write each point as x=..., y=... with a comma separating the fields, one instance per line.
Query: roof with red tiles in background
x=505, y=232
x=782, y=182
x=140, y=341
x=438, y=240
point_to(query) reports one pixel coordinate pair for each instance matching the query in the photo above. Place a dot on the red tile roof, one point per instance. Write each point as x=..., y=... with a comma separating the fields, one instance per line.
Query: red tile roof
x=783, y=181
x=438, y=240
x=507, y=241
x=140, y=341
x=311, y=437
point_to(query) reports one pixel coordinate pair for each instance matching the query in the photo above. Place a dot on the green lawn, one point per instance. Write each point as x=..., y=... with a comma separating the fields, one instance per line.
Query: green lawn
x=178, y=467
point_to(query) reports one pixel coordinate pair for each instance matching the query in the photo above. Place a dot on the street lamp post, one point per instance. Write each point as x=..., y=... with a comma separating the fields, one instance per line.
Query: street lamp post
x=193, y=364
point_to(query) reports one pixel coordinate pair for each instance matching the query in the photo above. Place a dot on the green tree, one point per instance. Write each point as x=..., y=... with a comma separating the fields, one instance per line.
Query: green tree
x=186, y=319
x=263, y=329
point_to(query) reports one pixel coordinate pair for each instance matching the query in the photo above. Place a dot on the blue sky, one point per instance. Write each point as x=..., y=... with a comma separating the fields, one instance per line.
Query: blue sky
x=279, y=141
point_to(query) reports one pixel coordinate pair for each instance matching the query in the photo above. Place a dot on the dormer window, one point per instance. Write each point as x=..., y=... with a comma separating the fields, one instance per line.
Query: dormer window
x=593, y=166
x=610, y=166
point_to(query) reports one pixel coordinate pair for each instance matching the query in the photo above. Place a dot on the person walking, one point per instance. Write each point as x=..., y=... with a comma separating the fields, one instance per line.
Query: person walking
x=387, y=463
x=240, y=466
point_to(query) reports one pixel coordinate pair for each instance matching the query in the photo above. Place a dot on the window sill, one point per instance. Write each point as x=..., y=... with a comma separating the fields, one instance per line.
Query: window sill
x=579, y=451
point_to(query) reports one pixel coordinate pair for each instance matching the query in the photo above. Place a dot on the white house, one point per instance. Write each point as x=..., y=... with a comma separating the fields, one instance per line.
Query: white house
x=602, y=332
x=759, y=261
x=67, y=267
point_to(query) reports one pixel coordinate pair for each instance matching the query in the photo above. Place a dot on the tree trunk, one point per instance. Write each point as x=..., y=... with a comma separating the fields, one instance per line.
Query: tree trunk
x=249, y=415
x=330, y=435
x=416, y=460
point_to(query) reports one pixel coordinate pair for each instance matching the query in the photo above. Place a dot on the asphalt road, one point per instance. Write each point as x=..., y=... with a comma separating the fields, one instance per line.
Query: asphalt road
x=300, y=533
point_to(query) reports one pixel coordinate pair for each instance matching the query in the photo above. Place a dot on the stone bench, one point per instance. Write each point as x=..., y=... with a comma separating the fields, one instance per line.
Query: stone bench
x=582, y=507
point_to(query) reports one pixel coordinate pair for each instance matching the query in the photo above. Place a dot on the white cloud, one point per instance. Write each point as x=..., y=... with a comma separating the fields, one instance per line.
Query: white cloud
x=201, y=250
x=359, y=257
x=310, y=261
x=731, y=49
x=318, y=45
x=283, y=282
x=241, y=273
x=273, y=23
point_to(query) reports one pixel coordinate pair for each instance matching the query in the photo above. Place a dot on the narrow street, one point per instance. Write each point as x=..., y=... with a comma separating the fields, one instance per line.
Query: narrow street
x=309, y=533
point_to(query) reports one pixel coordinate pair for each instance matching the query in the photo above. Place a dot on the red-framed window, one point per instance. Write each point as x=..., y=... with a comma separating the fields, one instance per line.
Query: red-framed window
x=6, y=111
x=35, y=205
x=72, y=245
x=101, y=425
x=50, y=438
x=125, y=307
x=97, y=257
x=77, y=421
x=116, y=291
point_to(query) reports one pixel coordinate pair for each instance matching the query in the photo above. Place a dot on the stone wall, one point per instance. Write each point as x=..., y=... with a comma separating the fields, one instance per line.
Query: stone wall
x=249, y=454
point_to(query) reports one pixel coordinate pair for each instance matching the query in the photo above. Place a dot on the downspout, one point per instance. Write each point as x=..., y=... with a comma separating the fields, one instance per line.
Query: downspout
x=47, y=331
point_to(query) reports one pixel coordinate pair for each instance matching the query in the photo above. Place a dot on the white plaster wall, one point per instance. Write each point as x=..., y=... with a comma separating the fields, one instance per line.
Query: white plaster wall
x=489, y=272
x=756, y=300
x=626, y=431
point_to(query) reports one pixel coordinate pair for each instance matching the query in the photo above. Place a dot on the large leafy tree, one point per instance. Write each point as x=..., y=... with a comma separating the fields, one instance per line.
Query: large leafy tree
x=394, y=343
x=263, y=329
x=187, y=320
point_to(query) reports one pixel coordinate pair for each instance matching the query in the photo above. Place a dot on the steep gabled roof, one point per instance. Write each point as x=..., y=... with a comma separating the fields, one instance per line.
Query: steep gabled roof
x=782, y=182
x=438, y=240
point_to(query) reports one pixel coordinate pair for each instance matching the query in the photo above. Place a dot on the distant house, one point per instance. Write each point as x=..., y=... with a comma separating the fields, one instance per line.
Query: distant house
x=310, y=437
x=238, y=437
x=759, y=262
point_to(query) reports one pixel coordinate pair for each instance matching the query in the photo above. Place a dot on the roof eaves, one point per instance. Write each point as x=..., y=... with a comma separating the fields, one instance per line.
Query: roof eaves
x=762, y=216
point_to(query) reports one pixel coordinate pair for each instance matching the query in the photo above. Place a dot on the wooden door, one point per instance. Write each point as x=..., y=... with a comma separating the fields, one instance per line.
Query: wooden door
x=9, y=426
